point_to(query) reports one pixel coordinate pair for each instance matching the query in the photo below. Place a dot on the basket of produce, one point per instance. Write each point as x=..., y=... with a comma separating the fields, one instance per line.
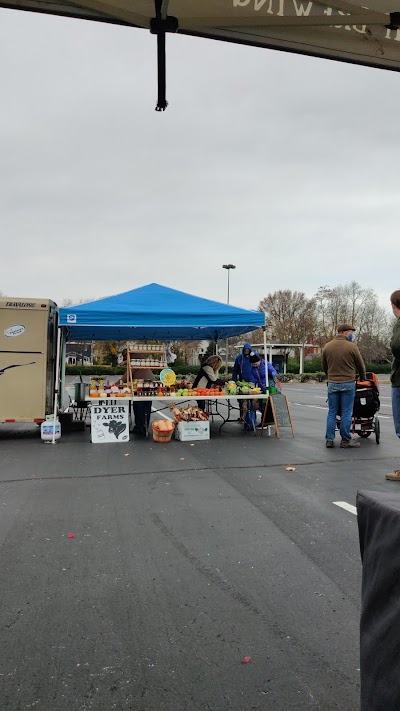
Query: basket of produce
x=188, y=414
x=162, y=430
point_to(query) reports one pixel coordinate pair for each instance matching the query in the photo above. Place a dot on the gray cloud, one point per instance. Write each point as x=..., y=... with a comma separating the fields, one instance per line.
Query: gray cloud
x=284, y=165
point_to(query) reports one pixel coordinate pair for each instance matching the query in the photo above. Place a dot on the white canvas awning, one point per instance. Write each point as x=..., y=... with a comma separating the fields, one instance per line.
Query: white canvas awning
x=341, y=30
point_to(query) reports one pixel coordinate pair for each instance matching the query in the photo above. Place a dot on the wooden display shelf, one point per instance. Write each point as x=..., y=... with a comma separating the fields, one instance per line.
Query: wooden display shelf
x=147, y=367
x=144, y=351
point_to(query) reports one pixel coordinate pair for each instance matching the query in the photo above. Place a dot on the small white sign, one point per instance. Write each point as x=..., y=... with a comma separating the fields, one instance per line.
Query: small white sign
x=71, y=318
x=14, y=331
x=110, y=423
x=187, y=431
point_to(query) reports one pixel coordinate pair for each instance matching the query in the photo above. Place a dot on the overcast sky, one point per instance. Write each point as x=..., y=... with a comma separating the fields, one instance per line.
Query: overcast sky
x=286, y=166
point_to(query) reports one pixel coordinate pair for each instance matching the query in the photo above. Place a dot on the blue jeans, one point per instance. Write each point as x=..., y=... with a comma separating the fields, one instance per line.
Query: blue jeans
x=396, y=409
x=340, y=399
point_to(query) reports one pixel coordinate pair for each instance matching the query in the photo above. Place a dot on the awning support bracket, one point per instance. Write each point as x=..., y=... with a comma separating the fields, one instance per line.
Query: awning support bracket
x=160, y=25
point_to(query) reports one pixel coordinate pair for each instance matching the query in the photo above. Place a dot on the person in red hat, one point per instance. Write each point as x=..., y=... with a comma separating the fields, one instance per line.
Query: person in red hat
x=341, y=360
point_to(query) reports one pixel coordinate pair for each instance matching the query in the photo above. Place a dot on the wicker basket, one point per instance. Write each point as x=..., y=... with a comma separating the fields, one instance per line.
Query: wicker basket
x=161, y=435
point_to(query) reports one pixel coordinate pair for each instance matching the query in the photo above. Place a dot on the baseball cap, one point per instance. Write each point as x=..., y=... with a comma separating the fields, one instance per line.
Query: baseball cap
x=345, y=327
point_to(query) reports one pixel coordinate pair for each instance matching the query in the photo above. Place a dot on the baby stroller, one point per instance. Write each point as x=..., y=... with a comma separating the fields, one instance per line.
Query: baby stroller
x=366, y=405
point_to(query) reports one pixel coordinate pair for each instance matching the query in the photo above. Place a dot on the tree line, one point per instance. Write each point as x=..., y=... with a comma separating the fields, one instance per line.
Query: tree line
x=292, y=317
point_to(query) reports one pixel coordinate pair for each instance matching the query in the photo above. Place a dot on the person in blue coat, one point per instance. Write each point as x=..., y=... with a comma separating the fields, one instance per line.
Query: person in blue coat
x=242, y=368
x=258, y=375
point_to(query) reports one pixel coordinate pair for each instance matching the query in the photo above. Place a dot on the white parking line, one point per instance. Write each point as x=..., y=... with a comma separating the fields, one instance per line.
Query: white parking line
x=348, y=507
x=162, y=414
x=300, y=404
x=321, y=407
x=323, y=397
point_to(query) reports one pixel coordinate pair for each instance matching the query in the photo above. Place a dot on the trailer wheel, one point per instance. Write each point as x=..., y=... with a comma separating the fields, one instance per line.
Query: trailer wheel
x=377, y=431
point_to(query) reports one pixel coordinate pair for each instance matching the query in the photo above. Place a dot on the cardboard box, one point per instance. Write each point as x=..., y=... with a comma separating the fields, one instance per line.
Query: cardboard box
x=188, y=431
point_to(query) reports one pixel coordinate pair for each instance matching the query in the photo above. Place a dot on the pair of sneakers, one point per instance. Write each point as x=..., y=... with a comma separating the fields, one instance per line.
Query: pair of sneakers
x=345, y=443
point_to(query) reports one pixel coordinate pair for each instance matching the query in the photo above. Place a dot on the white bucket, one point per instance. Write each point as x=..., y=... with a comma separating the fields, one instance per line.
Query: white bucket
x=47, y=429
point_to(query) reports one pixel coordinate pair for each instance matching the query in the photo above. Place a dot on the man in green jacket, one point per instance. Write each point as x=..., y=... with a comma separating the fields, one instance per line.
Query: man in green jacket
x=341, y=360
x=395, y=376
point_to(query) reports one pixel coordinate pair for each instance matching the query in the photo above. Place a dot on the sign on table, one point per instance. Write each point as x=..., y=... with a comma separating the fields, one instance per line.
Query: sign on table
x=168, y=376
x=110, y=423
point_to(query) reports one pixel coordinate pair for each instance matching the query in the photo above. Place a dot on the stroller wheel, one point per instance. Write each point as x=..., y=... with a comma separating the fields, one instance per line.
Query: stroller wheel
x=377, y=431
x=364, y=435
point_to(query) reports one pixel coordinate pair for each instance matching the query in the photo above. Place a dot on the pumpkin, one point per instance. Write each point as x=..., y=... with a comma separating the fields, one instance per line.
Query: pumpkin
x=163, y=425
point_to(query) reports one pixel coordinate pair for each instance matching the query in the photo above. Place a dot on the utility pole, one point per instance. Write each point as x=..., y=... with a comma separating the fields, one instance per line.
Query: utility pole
x=228, y=267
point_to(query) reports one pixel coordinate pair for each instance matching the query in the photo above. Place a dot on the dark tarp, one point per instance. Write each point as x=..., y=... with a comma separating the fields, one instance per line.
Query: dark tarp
x=379, y=530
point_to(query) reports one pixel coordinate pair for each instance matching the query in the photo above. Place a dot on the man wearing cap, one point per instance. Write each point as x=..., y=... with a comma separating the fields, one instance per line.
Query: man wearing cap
x=341, y=360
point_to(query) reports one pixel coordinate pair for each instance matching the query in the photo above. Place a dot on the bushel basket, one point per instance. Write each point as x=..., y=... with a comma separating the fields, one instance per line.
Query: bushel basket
x=160, y=435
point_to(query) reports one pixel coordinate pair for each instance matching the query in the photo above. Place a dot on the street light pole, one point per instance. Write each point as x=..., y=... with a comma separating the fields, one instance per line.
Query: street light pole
x=228, y=267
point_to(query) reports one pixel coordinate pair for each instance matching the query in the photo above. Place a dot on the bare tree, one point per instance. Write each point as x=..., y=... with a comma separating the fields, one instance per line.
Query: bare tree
x=291, y=316
x=350, y=303
x=185, y=350
x=67, y=301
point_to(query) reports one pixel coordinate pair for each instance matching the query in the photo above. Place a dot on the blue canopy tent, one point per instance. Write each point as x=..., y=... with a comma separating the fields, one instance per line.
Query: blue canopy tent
x=152, y=312
x=155, y=312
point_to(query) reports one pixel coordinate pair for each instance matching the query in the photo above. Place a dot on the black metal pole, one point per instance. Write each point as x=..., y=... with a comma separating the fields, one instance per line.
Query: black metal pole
x=162, y=102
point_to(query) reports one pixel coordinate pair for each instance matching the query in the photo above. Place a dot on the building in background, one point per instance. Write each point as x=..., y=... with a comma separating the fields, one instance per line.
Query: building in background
x=79, y=353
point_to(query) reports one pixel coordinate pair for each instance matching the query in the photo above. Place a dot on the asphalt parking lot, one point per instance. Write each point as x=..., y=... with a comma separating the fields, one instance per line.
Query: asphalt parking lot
x=184, y=561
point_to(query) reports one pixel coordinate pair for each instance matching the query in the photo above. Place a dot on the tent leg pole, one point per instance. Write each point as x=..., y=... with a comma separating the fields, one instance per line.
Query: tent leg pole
x=265, y=357
x=62, y=370
x=266, y=365
x=57, y=384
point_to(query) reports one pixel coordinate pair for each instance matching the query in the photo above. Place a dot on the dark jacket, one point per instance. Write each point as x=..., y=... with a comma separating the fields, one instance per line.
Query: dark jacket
x=341, y=360
x=395, y=348
x=207, y=378
x=242, y=368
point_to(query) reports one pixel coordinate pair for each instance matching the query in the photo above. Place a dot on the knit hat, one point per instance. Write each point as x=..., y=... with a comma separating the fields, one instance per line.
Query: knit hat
x=254, y=358
x=345, y=327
